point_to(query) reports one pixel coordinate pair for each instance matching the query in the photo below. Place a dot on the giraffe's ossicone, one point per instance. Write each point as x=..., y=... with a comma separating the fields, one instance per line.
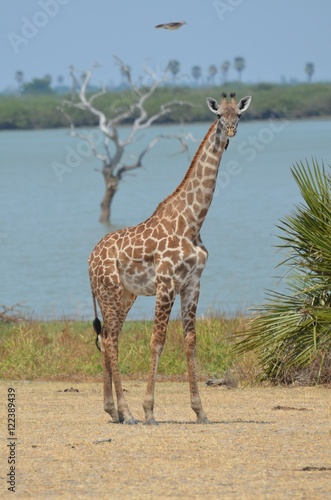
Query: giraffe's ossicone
x=163, y=256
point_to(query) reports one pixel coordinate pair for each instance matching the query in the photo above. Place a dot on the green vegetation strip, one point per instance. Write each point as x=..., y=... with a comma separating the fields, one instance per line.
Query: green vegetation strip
x=66, y=350
x=269, y=101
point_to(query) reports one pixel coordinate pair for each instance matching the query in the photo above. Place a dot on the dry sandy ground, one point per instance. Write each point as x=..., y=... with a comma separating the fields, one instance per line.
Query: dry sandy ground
x=270, y=443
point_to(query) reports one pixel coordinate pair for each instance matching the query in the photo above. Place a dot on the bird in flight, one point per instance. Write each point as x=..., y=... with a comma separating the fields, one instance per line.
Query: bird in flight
x=171, y=26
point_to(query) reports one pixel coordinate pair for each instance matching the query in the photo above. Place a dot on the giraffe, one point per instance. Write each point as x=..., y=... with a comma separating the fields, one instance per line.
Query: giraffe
x=162, y=256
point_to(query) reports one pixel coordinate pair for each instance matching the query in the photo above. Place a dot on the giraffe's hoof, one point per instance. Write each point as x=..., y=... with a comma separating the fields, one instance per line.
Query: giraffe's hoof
x=130, y=421
x=114, y=421
x=152, y=421
x=203, y=421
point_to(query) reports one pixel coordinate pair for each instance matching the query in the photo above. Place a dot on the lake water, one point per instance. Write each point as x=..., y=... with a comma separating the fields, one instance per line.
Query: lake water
x=49, y=222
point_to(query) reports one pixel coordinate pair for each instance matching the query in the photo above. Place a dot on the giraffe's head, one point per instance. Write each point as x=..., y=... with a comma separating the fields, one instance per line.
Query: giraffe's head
x=228, y=112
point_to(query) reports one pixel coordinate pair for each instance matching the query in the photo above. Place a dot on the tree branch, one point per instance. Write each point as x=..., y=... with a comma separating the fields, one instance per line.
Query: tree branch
x=181, y=138
x=87, y=105
x=108, y=126
x=113, y=146
x=87, y=137
x=16, y=317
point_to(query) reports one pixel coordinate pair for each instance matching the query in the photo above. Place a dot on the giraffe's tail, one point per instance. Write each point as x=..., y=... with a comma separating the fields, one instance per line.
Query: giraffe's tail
x=96, y=323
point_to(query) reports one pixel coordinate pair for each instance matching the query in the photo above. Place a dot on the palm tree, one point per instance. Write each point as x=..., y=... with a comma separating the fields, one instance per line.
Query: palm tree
x=309, y=69
x=239, y=65
x=196, y=73
x=292, y=332
x=174, y=68
x=212, y=70
x=224, y=70
x=19, y=77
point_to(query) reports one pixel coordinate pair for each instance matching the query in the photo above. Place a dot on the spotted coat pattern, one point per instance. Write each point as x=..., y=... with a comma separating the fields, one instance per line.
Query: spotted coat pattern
x=163, y=256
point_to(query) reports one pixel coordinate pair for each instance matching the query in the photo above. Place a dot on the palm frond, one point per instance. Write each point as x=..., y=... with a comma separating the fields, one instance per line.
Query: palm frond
x=292, y=331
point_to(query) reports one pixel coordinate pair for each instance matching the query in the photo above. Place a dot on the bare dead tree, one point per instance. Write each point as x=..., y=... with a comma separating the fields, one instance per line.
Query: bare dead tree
x=11, y=314
x=112, y=150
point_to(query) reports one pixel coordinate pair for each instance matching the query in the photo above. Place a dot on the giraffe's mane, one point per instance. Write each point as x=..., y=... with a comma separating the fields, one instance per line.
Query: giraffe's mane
x=191, y=167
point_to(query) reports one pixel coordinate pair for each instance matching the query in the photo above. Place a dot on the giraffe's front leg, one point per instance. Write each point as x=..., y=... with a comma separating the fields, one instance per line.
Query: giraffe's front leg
x=165, y=297
x=189, y=301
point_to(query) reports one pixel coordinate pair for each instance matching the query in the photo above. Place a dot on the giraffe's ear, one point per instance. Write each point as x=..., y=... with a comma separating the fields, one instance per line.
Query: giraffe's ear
x=244, y=103
x=212, y=104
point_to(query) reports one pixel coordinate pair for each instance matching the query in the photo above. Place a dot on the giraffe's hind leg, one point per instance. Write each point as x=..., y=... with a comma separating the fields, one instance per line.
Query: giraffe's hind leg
x=114, y=309
x=108, y=404
x=108, y=400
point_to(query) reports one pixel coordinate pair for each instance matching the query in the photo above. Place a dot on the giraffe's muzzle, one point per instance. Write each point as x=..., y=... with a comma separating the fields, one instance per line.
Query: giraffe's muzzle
x=230, y=131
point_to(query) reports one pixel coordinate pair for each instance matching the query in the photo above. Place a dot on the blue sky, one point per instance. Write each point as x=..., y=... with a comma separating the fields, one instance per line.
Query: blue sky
x=276, y=37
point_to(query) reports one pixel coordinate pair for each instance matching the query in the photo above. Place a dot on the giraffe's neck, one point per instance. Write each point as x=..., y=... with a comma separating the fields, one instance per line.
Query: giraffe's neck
x=189, y=203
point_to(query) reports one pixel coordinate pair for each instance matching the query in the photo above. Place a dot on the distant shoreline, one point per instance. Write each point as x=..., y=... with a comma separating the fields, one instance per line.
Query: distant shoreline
x=270, y=101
